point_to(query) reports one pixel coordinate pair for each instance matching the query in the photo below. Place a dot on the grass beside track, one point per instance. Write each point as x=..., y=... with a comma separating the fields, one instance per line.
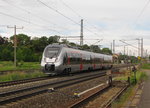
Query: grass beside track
x=146, y=66
x=140, y=75
x=9, y=65
x=126, y=96
x=19, y=76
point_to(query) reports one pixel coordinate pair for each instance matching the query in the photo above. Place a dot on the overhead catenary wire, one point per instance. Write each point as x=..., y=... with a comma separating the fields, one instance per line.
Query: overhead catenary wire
x=71, y=9
x=43, y=19
x=15, y=6
x=142, y=11
x=28, y=22
x=58, y=12
x=2, y=13
x=33, y=14
x=93, y=26
x=65, y=16
x=4, y=25
x=129, y=44
x=140, y=14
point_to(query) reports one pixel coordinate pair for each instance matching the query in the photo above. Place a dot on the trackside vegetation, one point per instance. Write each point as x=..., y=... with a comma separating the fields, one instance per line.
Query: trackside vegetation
x=146, y=66
x=140, y=76
x=9, y=65
x=19, y=76
x=119, y=102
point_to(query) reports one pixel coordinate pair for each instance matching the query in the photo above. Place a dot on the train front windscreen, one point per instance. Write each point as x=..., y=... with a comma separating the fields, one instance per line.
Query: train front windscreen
x=52, y=52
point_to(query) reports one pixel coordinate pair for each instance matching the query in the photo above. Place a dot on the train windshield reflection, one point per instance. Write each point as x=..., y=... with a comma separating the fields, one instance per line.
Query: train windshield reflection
x=51, y=52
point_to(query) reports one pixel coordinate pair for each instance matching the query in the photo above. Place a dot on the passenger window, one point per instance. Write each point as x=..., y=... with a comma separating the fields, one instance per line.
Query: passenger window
x=65, y=59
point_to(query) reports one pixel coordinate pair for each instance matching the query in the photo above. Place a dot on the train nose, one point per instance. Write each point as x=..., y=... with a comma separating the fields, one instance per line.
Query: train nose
x=49, y=67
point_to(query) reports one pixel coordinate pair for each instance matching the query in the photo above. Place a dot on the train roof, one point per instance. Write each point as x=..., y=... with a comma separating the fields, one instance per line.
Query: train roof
x=74, y=48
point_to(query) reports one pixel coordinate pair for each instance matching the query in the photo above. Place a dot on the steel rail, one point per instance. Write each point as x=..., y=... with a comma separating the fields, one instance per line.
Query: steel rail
x=115, y=97
x=79, y=103
x=92, y=95
x=9, y=83
x=15, y=95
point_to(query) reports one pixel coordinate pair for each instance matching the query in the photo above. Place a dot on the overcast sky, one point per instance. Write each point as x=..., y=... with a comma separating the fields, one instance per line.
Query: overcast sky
x=103, y=19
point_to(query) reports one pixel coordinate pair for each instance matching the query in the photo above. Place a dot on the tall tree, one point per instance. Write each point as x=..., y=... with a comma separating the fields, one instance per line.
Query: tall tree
x=22, y=39
x=106, y=51
x=86, y=47
x=95, y=48
x=53, y=39
x=3, y=40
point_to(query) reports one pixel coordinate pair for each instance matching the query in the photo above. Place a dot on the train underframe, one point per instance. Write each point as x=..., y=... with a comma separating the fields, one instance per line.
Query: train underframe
x=51, y=69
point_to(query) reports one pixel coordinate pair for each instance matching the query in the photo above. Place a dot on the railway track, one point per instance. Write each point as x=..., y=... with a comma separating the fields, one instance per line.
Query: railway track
x=21, y=93
x=106, y=103
x=10, y=83
x=23, y=70
x=109, y=102
x=14, y=95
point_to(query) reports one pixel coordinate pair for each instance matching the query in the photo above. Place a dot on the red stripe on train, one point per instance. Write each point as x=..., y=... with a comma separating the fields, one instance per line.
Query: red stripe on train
x=68, y=61
x=81, y=67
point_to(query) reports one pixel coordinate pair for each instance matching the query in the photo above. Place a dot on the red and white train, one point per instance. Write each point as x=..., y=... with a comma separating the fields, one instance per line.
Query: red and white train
x=59, y=58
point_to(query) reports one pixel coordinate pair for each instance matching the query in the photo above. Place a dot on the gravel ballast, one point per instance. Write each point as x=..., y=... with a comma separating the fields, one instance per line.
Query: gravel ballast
x=58, y=99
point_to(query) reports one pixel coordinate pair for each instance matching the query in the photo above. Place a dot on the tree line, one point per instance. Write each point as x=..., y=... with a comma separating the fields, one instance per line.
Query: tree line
x=31, y=49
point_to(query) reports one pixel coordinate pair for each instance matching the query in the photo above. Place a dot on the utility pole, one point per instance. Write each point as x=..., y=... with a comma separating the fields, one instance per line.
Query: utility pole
x=81, y=34
x=124, y=54
x=141, y=47
x=130, y=53
x=127, y=51
x=146, y=53
x=124, y=49
x=113, y=46
x=15, y=43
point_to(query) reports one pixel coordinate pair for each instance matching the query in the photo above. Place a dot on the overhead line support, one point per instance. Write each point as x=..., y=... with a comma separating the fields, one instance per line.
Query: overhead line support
x=15, y=43
x=81, y=34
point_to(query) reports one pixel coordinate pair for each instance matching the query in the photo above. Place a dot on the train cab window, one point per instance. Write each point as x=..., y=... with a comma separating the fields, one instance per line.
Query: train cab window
x=51, y=52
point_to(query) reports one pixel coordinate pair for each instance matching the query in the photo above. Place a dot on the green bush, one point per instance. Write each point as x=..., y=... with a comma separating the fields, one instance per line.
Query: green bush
x=140, y=76
x=20, y=64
